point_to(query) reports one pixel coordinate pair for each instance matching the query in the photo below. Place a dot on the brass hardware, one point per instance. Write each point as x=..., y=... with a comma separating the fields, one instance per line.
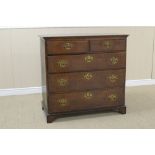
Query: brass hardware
x=88, y=76
x=88, y=95
x=62, y=82
x=62, y=63
x=89, y=58
x=107, y=44
x=112, y=97
x=62, y=101
x=68, y=46
x=113, y=78
x=114, y=60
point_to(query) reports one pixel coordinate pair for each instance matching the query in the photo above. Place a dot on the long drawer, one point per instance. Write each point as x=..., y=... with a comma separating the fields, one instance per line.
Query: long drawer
x=66, y=82
x=86, y=62
x=85, y=100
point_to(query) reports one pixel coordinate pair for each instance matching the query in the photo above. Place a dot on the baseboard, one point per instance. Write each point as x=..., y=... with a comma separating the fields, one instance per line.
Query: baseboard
x=20, y=91
x=141, y=82
x=36, y=90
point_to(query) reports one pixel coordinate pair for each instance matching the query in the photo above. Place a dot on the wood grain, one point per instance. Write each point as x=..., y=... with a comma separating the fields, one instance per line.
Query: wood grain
x=105, y=45
x=83, y=74
x=86, y=62
x=78, y=101
x=67, y=82
x=66, y=47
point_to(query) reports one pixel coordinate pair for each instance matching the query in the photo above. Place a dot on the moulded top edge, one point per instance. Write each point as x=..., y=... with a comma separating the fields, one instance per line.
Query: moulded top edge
x=82, y=35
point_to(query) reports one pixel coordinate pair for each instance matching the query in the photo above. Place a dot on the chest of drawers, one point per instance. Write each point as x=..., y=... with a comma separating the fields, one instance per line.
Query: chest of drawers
x=83, y=74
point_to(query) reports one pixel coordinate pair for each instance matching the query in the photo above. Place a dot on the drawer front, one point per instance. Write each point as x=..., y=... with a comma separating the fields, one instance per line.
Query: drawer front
x=86, y=100
x=66, y=82
x=108, y=45
x=66, y=47
x=86, y=62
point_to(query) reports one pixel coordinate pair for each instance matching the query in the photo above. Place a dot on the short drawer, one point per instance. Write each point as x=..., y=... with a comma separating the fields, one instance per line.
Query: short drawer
x=86, y=100
x=104, y=45
x=66, y=82
x=67, y=47
x=86, y=62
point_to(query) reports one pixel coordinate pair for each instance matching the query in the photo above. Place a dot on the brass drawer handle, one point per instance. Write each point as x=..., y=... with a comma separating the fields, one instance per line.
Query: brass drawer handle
x=62, y=63
x=89, y=58
x=112, y=97
x=107, y=44
x=62, y=82
x=114, y=60
x=62, y=102
x=88, y=95
x=68, y=46
x=113, y=78
x=88, y=76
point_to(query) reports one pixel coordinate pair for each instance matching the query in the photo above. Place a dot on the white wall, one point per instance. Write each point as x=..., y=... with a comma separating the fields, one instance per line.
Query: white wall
x=20, y=53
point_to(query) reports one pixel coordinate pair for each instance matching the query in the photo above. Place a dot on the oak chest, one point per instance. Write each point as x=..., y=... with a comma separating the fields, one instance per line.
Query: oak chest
x=83, y=74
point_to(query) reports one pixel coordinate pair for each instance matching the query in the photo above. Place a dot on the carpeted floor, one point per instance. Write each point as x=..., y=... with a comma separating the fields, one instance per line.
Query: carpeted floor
x=25, y=112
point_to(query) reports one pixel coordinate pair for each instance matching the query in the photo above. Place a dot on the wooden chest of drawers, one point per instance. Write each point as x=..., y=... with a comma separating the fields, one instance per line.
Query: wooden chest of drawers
x=83, y=74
